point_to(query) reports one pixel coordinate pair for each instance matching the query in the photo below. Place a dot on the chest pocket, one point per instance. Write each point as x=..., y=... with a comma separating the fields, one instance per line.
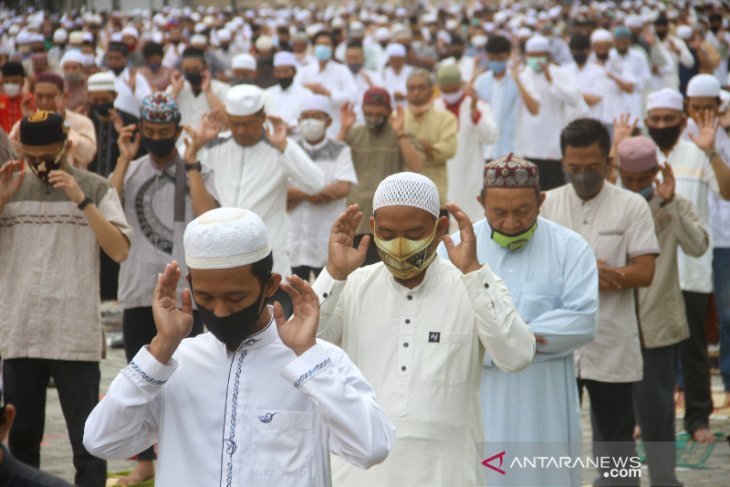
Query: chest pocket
x=446, y=362
x=282, y=443
x=611, y=247
x=537, y=299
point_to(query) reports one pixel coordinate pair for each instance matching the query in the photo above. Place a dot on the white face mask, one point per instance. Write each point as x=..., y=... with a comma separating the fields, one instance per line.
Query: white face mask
x=11, y=89
x=452, y=98
x=312, y=129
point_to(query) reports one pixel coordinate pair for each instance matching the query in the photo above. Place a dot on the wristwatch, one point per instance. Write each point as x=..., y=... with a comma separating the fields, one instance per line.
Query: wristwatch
x=194, y=167
x=84, y=203
x=710, y=154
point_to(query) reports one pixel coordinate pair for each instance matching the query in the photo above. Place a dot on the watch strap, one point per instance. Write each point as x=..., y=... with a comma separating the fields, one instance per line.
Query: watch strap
x=84, y=203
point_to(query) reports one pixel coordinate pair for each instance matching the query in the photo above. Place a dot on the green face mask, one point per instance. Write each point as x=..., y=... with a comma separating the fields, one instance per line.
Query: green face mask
x=514, y=242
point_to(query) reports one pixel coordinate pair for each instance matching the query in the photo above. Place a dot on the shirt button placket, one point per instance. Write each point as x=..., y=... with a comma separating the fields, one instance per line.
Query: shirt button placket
x=405, y=352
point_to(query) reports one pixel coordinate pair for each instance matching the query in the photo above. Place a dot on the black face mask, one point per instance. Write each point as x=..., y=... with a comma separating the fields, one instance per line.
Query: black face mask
x=194, y=78
x=665, y=137
x=603, y=56
x=102, y=108
x=117, y=71
x=457, y=55
x=580, y=59
x=585, y=184
x=661, y=35
x=355, y=67
x=285, y=82
x=233, y=329
x=159, y=147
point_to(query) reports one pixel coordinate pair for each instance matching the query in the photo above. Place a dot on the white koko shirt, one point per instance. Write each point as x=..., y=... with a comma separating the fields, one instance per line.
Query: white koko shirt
x=258, y=417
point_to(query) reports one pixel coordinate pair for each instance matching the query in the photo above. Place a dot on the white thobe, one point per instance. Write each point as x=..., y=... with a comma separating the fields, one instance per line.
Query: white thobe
x=338, y=79
x=695, y=180
x=126, y=100
x=396, y=82
x=258, y=417
x=465, y=169
x=637, y=65
x=539, y=135
x=422, y=350
x=615, y=101
x=553, y=281
x=310, y=223
x=668, y=75
x=589, y=79
x=286, y=104
x=193, y=107
x=256, y=178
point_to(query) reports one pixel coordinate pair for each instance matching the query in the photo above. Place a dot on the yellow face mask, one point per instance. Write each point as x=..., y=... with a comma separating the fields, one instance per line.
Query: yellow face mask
x=406, y=258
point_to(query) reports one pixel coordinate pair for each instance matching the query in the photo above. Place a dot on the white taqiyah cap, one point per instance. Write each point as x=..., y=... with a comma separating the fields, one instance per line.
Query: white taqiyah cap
x=601, y=35
x=225, y=238
x=60, y=35
x=684, y=32
x=407, y=189
x=703, y=85
x=317, y=103
x=724, y=100
x=243, y=100
x=76, y=37
x=243, y=61
x=130, y=31
x=665, y=98
x=396, y=50
x=198, y=40
x=285, y=58
x=72, y=56
x=382, y=34
x=537, y=43
x=103, y=81
x=264, y=43
x=224, y=35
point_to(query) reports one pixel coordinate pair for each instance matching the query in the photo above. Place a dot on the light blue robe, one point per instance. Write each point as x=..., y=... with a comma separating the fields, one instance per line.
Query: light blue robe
x=553, y=281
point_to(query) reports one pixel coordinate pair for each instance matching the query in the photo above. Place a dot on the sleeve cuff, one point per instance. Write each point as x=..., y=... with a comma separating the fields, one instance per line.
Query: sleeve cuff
x=145, y=371
x=479, y=285
x=306, y=366
x=325, y=286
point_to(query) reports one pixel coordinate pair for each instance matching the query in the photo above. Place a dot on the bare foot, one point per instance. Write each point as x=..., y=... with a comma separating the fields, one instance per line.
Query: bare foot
x=144, y=470
x=703, y=435
x=637, y=432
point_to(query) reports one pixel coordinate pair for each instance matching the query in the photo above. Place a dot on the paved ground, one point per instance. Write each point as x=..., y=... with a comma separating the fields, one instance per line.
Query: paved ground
x=56, y=451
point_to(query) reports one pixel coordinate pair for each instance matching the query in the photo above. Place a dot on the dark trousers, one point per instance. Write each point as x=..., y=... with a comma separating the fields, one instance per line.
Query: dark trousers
x=305, y=271
x=612, y=421
x=77, y=383
x=654, y=406
x=372, y=256
x=108, y=277
x=696, y=364
x=138, y=329
x=551, y=173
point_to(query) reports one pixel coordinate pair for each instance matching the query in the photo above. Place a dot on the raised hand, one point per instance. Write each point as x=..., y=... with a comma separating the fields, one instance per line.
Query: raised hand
x=116, y=120
x=276, y=135
x=173, y=324
x=707, y=123
x=300, y=331
x=132, y=80
x=205, y=81
x=666, y=187
x=128, y=142
x=177, y=81
x=464, y=255
x=347, y=115
x=398, y=119
x=623, y=128
x=343, y=258
x=11, y=175
x=65, y=181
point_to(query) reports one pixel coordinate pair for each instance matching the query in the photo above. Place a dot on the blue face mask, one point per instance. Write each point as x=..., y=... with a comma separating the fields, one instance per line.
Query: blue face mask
x=536, y=63
x=322, y=52
x=497, y=67
x=647, y=192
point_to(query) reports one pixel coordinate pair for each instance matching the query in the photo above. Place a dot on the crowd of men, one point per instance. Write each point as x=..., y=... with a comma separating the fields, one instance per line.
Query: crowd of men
x=499, y=209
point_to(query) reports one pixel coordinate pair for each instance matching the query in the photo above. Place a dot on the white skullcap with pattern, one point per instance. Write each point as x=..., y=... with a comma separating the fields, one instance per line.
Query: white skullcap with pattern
x=407, y=189
x=225, y=238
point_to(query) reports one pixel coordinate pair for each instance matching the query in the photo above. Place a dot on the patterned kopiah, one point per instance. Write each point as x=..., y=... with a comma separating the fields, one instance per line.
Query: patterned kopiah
x=511, y=172
x=160, y=108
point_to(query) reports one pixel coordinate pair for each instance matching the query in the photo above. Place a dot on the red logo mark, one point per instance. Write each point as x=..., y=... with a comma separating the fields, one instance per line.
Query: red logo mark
x=487, y=463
